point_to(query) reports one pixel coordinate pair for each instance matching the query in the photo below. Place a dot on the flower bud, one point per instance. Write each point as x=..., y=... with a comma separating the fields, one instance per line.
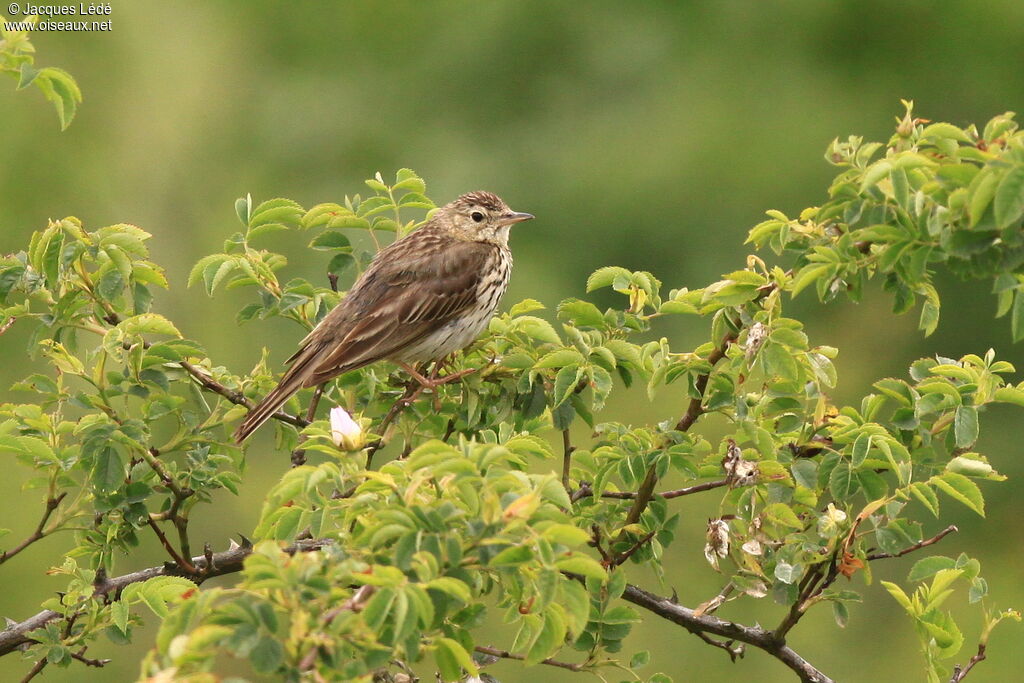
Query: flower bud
x=346, y=432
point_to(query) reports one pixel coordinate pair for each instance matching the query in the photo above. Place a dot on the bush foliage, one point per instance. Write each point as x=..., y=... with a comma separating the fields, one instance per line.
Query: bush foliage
x=489, y=512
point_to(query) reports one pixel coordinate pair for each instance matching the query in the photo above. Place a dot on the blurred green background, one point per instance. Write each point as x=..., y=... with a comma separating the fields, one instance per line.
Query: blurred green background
x=648, y=135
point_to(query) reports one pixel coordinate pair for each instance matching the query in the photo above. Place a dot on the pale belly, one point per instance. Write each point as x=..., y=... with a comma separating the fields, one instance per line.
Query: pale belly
x=461, y=332
x=454, y=336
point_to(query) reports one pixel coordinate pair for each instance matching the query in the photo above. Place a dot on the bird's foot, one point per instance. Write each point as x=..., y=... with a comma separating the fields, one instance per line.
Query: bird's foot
x=433, y=381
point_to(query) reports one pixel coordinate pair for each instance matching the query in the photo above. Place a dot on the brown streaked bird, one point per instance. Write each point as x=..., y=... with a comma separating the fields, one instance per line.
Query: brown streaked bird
x=422, y=298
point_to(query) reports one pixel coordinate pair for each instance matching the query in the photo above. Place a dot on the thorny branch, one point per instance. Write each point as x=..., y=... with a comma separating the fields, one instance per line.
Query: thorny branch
x=707, y=625
x=236, y=397
x=225, y=562
x=824, y=574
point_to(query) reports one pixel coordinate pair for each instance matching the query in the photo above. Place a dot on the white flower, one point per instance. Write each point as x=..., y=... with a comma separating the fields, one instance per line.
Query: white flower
x=345, y=431
x=830, y=521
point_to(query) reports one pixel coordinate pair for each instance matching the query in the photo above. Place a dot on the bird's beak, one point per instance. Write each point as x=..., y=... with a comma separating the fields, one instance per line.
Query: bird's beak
x=514, y=217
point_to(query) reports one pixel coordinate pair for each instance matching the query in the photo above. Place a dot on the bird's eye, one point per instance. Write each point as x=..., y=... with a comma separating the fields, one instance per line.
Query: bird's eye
x=476, y=216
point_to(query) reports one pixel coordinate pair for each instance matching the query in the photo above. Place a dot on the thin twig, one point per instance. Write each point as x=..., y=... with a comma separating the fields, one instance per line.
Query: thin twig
x=505, y=654
x=735, y=653
x=80, y=656
x=706, y=624
x=299, y=454
x=959, y=673
x=567, y=450
x=636, y=546
x=315, y=401
x=396, y=408
x=225, y=562
x=40, y=530
x=917, y=546
x=236, y=397
x=585, y=491
x=35, y=670
x=696, y=407
x=595, y=542
x=693, y=411
x=7, y=324
x=356, y=603
x=185, y=565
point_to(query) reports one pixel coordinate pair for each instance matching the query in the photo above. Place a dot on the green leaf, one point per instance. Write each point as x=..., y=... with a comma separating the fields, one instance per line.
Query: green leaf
x=1009, y=198
x=924, y=493
x=583, y=565
x=517, y=554
x=961, y=488
x=927, y=567
x=452, y=587
x=860, y=450
x=566, y=534
x=566, y=381
x=842, y=483
x=537, y=329
x=982, y=189
x=108, y=470
x=525, y=306
x=965, y=426
x=267, y=655
x=604, y=277
x=783, y=515
x=60, y=88
x=807, y=275
x=452, y=658
x=580, y=313
x=329, y=240
x=1013, y=395
x=559, y=359
x=550, y=637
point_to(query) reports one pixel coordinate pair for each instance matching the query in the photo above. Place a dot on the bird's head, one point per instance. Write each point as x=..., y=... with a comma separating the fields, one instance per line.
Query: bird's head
x=479, y=216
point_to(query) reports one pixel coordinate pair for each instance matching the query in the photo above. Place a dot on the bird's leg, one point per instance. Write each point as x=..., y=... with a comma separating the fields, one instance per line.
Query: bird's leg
x=434, y=381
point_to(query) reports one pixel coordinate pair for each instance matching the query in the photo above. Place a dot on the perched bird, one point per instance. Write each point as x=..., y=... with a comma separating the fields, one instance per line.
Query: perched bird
x=422, y=298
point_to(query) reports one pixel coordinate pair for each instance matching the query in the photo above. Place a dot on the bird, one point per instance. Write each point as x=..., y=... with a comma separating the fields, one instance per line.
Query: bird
x=422, y=298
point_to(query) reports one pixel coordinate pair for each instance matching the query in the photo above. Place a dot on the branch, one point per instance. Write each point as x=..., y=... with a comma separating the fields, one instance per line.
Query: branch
x=917, y=546
x=707, y=624
x=226, y=562
x=567, y=449
x=959, y=673
x=35, y=670
x=636, y=546
x=396, y=408
x=696, y=407
x=184, y=564
x=505, y=654
x=693, y=411
x=584, y=491
x=236, y=397
x=80, y=656
x=40, y=531
x=356, y=603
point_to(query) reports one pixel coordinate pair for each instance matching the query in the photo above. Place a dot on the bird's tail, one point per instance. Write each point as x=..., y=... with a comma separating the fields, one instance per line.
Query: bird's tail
x=292, y=381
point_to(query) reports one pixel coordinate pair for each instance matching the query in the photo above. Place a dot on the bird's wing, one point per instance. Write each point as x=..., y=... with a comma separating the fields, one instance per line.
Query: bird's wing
x=418, y=286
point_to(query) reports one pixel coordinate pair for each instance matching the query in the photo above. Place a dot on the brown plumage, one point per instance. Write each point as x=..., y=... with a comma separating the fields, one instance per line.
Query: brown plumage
x=423, y=297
